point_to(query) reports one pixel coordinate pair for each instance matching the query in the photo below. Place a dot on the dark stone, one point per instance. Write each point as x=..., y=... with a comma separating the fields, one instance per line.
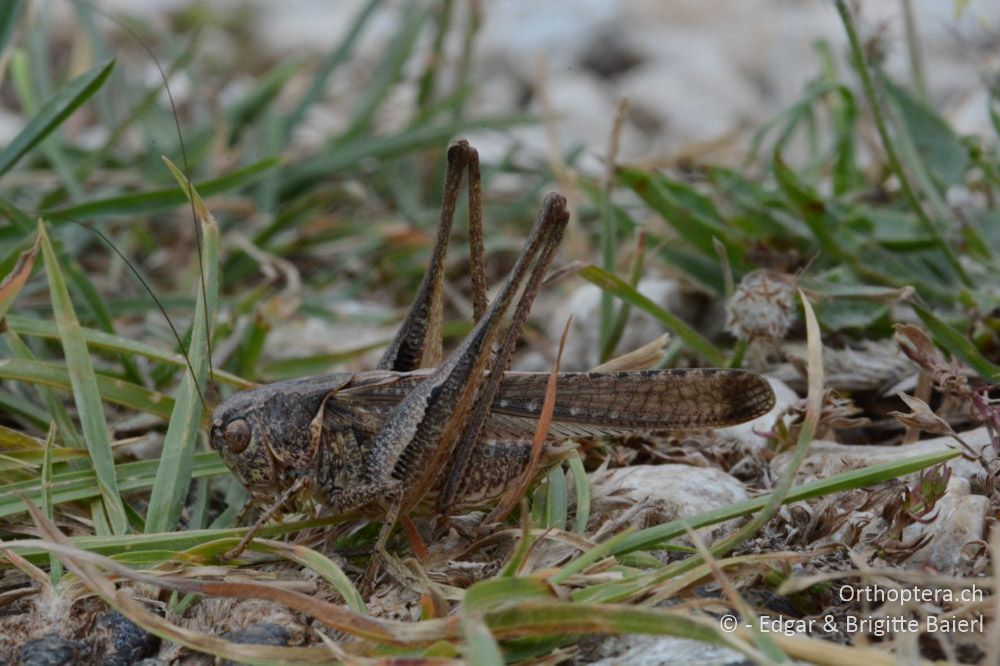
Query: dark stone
x=52, y=650
x=126, y=642
x=609, y=56
x=262, y=633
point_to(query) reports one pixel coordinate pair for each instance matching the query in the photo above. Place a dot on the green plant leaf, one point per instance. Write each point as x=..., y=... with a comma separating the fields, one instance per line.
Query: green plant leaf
x=691, y=214
x=481, y=648
x=617, y=286
x=256, y=101
x=85, y=390
x=494, y=592
x=582, y=485
x=956, y=343
x=159, y=200
x=812, y=209
x=115, y=343
x=54, y=112
x=114, y=390
x=555, y=499
x=79, y=485
x=10, y=14
x=390, y=70
x=937, y=145
x=173, y=476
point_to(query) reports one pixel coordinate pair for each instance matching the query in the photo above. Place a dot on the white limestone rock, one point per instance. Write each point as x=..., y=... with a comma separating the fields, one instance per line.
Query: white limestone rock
x=667, y=492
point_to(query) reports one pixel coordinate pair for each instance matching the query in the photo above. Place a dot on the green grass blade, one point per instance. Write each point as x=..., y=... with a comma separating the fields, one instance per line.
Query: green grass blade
x=391, y=70
x=23, y=408
x=347, y=155
x=555, y=500
x=254, y=103
x=21, y=76
x=55, y=565
x=163, y=546
x=859, y=478
x=481, y=648
x=98, y=307
x=57, y=412
x=159, y=200
x=85, y=390
x=582, y=486
x=812, y=209
x=110, y=389
x=878, y=115
x=496, y=592
x=54, y=112
x=690, y=213
x=636, y=584
x=79, y=485
x=24, y=223
x=588, y=558
x=17, y=440
x=115, y=343
x=319, y=563
x=173, y=477
x=957, y=344
x=550, y=618
x=10, y=14
x=33, y=460
x=336, y=57
x=615, y=285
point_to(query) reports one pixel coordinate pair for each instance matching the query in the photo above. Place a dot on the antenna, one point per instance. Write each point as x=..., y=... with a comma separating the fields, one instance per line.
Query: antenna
x=194, y=217
x=159, y=304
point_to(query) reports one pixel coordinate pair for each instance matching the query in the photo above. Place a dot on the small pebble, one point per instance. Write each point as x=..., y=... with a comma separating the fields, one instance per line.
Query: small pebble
x=262, y=633
x=52, y=650
x=126, y=642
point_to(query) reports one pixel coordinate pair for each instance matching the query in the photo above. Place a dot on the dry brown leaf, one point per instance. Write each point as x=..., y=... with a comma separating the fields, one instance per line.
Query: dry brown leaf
x=921, y=417
x=12, y=283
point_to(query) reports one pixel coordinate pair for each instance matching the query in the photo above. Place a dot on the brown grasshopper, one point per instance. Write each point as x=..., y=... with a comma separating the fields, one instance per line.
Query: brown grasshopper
x=456, y=435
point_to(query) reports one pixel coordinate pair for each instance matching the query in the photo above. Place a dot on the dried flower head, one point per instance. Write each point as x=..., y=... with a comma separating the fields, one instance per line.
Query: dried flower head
x=763, y=306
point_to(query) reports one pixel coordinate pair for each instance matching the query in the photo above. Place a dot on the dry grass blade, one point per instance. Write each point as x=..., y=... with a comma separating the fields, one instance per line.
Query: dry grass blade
x=826, y=653
x=82, y=564
x=28, y=569
x=517, y=490
x=481, y=647
x=921, y=417
x=814, y=408
x=336, y=617
x=12, y=283
x=769, y=652
x=322, y=565
x=647, y=356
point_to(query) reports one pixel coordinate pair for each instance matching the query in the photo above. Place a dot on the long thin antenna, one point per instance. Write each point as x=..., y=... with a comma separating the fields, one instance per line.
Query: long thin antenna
x=194, y=216
x=159, y=304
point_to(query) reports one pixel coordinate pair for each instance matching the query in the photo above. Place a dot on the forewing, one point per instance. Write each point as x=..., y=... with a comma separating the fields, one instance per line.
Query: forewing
x=599, y=403
x=592, y=403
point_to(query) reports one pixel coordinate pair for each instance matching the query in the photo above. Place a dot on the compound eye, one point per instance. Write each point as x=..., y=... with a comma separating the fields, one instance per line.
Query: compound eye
x=237, y=435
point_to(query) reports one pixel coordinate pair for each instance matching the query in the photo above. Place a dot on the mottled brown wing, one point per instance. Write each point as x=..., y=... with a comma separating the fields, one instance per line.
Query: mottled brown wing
x=589, y=403
x=594, y=403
